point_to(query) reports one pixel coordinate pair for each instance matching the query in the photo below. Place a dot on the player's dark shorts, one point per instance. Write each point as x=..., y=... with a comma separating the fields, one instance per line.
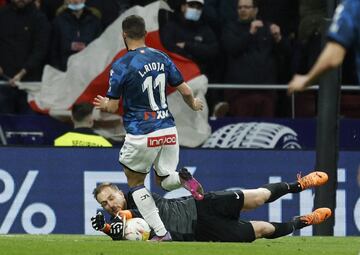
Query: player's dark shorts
x=218, y=218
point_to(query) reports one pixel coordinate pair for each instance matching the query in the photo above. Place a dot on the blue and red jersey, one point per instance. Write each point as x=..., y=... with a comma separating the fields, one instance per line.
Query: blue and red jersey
x=345, y=27
x=140, y=78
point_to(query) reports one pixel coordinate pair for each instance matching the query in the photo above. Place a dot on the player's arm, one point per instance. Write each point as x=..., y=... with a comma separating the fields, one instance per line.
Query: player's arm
x=331, y=57
x=106, y=104
x=110, y=103
x=194, y=103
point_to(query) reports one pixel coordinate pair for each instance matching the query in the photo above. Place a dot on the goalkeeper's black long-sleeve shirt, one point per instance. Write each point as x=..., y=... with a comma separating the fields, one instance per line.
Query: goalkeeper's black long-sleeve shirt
x=179, y=215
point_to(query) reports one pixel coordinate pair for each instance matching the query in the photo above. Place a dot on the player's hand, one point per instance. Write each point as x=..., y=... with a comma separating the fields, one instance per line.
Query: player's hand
x=275, y=32
x=100, y=102
x=116, y=228
x=98, y=222
x=298, y=83
x=255, y=25
x=198, y=104
x=17, y=78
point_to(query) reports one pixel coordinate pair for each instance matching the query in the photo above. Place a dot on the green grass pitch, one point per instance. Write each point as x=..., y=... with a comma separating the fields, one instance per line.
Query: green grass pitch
x=101, y=245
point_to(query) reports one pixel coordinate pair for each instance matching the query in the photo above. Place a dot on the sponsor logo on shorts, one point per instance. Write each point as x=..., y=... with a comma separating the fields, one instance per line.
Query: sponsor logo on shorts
x=161, y=140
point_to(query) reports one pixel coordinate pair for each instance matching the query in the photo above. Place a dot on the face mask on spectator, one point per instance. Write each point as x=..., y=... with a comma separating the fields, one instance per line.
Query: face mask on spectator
x=192, y=14
x=76, y=7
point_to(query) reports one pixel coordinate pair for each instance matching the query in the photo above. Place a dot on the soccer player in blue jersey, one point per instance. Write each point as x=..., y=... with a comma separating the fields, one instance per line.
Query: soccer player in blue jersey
x=344, y=33
x=140, y=78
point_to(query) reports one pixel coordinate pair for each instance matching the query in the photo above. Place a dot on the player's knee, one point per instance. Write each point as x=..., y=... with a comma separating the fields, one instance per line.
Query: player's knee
x=158, y=180
x=261, y=197
x=171, y=182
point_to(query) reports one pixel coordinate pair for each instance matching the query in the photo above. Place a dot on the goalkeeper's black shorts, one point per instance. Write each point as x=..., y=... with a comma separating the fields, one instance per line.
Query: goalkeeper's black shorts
x=218, y=218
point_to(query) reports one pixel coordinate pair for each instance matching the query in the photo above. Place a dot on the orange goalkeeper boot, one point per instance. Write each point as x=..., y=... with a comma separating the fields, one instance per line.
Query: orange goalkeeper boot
x=316, y=217
x=313, y=179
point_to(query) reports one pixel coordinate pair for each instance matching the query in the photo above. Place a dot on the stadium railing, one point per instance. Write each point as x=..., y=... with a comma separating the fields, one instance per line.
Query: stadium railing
x=34, y=86
x=275, y=87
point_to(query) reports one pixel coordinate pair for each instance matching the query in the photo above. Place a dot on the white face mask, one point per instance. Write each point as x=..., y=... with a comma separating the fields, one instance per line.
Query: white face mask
x=192, y=14
x=76, y=7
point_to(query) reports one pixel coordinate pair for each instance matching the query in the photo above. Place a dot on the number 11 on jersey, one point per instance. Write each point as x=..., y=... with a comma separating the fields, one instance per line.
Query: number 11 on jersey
x=149, y=84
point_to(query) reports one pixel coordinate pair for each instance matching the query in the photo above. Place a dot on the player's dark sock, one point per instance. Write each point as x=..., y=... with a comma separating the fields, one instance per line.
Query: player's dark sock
x=277, y=190
x=281, y=188
x=298, y=223
x=281, y=229
x=295, y=187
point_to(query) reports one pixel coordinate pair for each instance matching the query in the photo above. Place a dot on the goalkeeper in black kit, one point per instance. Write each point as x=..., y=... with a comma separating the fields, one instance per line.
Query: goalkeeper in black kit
x=216, y=217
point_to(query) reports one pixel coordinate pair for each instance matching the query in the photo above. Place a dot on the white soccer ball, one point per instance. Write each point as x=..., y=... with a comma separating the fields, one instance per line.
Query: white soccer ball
x=136, y=229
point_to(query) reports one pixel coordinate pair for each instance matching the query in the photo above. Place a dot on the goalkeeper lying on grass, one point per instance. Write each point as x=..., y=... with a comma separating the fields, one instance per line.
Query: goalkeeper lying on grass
x=216, y=217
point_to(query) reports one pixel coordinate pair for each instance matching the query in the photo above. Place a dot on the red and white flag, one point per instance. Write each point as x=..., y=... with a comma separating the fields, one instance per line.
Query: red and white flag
x=88, y=72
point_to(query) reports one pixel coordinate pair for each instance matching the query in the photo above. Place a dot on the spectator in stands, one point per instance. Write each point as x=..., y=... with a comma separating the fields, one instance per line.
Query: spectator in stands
x=253, y=48
x=49, y=7
x=219, y=12
x=83, y=133
x=110, y=9
x=188, y=36
x=3, y=2
x=24, y=38
x=73, y=29
x=284, y=13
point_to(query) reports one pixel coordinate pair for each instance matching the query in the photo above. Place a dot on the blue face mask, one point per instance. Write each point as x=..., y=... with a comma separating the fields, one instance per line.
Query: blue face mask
x=192, y=14
x=76, y=7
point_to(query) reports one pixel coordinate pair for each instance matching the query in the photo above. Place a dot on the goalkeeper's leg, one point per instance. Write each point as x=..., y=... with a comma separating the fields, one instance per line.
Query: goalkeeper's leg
x=254, y=198
x=271, y=230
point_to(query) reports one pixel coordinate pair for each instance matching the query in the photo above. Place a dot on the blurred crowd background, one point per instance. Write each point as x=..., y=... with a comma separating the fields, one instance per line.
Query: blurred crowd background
x=232, y=41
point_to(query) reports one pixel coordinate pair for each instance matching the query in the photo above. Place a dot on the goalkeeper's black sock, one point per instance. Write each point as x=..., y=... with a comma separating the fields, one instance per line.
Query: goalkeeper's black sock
x=281, y=188
x=281, y=229
x=295, y=187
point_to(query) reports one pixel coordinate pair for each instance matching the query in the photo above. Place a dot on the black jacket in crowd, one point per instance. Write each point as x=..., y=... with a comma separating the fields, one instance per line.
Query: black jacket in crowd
x=24, y=39
x=219, y=12
x=68, y=31
x=110, y=9
x=201, y=44
x=250, y=55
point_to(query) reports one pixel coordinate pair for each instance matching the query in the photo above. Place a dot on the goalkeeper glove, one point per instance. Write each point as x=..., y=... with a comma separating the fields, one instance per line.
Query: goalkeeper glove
x=98, y=222
x=117, y=228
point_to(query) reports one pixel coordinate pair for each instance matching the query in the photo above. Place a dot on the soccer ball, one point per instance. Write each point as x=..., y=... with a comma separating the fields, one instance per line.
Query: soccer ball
x=136, y=229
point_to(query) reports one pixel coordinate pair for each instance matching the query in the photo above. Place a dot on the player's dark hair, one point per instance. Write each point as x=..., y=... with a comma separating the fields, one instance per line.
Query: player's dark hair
x=134, y=27
x=80, y=111
x=104, y=185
